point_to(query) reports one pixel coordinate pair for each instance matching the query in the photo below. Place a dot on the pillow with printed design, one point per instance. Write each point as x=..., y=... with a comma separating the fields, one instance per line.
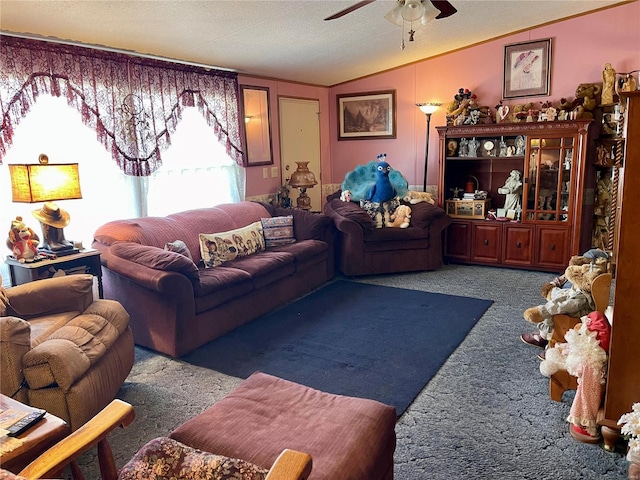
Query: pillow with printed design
x=218, y=248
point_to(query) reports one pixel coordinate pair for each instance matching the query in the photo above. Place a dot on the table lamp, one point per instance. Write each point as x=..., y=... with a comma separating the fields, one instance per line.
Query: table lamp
x=302, y=179
x=45, y=182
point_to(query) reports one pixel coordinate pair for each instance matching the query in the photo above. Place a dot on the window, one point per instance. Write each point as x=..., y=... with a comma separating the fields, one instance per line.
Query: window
x=196, y=172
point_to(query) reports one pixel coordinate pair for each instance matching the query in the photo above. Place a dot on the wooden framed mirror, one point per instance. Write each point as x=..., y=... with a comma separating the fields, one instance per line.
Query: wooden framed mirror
x=254, y=110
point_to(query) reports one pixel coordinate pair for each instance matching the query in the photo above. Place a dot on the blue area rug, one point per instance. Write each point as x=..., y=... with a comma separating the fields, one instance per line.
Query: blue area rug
x=350, y=338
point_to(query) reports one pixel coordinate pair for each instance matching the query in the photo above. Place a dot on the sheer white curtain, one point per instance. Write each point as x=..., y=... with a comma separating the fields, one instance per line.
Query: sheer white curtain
x=196, y=172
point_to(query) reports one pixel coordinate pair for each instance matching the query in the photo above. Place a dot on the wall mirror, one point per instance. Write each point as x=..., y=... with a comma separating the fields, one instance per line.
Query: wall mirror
x=257, y=125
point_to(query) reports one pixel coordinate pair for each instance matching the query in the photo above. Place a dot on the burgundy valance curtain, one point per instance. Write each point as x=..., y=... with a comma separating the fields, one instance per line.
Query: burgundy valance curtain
x=133, y=104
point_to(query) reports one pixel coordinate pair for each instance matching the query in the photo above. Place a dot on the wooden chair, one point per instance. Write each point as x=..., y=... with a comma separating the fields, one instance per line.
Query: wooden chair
x=562, y=380
x=290, y=465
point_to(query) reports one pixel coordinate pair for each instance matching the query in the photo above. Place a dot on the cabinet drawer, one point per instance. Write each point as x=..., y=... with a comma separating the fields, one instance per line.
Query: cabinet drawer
x=518, y=245
x=486, y=241
x=552, y=247
x=458, y=243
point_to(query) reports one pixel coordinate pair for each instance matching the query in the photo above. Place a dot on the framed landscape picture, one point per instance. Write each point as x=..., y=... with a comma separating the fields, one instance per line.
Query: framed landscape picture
x=527, y=68
x=367, y=115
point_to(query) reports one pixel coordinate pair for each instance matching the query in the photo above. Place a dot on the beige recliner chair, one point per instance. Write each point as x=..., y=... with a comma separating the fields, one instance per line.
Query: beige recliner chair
x=60, y=349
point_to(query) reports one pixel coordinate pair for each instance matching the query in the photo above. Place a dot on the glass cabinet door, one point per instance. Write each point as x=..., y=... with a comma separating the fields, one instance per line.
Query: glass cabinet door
x=549, y=177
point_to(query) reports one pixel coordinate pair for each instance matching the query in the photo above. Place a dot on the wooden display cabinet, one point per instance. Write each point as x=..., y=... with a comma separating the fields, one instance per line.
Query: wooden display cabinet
x=555, y=161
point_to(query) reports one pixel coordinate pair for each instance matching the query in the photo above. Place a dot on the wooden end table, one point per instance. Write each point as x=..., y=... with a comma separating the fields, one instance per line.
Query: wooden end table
x=85, y=261
x=34, y=441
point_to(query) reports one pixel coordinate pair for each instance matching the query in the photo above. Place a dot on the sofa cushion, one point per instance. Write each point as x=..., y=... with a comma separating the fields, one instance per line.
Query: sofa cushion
x=266, y=267
x=305, y=251
x=178, y=246
x=352, y=211
x=156, y=258
x=217, y=248
x=278, y=230
x=164, y=458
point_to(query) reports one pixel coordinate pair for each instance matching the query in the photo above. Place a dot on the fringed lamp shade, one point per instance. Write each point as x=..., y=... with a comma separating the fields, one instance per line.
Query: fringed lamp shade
x=44, y=182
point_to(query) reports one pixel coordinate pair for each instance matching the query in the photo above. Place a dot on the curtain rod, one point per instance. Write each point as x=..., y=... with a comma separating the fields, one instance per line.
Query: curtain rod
x=113, y=50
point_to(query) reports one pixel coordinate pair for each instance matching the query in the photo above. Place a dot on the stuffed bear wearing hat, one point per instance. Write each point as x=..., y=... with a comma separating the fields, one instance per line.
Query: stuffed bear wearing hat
x=575, y=301
x=584, y=355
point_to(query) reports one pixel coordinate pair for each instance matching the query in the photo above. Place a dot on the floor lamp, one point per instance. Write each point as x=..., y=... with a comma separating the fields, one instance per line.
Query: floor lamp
x=427, y=109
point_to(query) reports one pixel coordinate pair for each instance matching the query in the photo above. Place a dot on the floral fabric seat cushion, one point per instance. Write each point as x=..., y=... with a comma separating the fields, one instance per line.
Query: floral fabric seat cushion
x=165, y=459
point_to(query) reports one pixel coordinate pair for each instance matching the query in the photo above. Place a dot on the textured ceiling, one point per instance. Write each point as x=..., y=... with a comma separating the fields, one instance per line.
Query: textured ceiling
x=286, y=40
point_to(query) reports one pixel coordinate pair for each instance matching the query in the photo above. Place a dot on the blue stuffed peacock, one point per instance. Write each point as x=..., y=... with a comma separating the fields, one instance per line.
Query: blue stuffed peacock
x=382, y=190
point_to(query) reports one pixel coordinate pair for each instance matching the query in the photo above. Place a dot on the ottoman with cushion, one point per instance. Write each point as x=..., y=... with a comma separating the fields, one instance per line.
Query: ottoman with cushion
x=348, y=438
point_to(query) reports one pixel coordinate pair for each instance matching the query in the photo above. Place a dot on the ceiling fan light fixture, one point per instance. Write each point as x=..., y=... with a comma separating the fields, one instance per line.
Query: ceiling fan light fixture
x=395, y=14
x=430, y=12
x=413, y=10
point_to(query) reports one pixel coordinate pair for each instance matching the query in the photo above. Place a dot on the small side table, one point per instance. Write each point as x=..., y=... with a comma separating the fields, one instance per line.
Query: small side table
x=33, y=441
x=86, y=261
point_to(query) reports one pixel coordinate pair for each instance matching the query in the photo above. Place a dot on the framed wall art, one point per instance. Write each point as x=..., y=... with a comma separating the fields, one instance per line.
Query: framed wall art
x=367, y=115
x=527, y=68
x=254, y=110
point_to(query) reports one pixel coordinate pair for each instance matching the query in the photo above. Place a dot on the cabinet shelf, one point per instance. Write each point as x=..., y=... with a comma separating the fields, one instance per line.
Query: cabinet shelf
x=554, y=204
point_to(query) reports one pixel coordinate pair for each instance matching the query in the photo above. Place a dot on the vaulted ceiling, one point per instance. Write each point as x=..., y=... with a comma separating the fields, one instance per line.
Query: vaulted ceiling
x=287, y=40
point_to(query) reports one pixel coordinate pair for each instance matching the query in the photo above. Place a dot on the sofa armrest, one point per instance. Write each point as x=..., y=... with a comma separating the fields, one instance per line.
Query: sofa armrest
x=426, y=215
x=152, y=267
x=15, y=342
x=307, y=225
x=349, y=218
x=51, y=295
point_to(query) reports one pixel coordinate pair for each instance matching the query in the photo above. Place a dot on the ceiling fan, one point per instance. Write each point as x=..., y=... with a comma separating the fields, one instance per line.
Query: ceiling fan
x=408, y=10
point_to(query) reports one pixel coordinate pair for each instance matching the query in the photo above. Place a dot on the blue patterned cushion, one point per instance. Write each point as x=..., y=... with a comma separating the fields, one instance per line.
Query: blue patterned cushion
x=278, y=231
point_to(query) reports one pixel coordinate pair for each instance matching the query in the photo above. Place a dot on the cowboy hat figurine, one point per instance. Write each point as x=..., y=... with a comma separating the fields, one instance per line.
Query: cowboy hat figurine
x=53, y=219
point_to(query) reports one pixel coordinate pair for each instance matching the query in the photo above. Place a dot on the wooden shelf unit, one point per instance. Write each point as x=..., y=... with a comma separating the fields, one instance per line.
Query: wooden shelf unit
x=623, y=376
x=558, y=176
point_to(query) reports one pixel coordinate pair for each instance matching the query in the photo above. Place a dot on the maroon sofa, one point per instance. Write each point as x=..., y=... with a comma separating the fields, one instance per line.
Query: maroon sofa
x=366, y=250
x=177, y=305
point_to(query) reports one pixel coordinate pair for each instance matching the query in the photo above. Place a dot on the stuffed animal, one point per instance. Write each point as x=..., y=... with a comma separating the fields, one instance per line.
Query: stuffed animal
x=382, y=190
x=594, y=255
x=414, y=197
x=584, y=355
x=587, y=97
x=575, y=301
x=360, y=180
x=23, y=241
x=401, y=217
x=380, y=213
x=345, y=195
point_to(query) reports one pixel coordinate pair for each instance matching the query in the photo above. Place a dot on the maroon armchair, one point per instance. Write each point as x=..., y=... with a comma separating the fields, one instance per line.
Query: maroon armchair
x=365, y=250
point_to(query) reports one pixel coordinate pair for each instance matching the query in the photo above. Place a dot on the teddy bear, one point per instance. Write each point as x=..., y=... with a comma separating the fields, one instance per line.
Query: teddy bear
x=23, y=241
x=414, y=197
x=587, y=97
x=584, y=355
x=401, y=217
x=595, y=255
x=575, y=301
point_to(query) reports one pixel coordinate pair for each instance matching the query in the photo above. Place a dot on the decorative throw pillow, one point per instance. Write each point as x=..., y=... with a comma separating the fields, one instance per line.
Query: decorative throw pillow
x=278, y=231
x=164, y=458
x=217, y=248
x=178, y=246
x=380, y=213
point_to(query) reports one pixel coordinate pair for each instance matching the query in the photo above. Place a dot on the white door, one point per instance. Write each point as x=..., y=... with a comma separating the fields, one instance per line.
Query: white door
x=300, y=141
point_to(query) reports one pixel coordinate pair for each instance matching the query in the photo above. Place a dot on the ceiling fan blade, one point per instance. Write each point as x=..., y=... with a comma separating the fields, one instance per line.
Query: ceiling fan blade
x=352, y=8
x=446, y=9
